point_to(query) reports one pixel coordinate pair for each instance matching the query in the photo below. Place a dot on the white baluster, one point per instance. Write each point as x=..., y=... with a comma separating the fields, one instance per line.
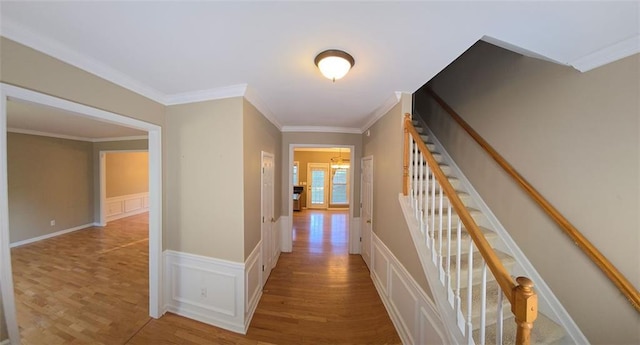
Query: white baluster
x=470, y=294
x=448, y=261
x=483, y=303
x=425, y=203
x=433, y=218
x=440, y=225
x=421, y=183
x=500, y=318
x=458, y=262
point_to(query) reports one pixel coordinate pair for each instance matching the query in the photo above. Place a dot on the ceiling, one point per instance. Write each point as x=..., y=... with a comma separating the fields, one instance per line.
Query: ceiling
x=180, y=52
x=37, y=119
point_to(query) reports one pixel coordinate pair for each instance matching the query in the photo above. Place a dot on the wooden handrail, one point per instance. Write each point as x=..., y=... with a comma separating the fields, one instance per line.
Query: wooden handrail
x=495, y=265
x=623, y=284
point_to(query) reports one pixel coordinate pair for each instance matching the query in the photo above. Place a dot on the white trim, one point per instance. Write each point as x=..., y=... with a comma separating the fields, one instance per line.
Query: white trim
x=551, y=306
x=53, y=234
x=71, y=137
x=412, y=312
x=5, y=342
x=286, y=228
x=252, y=97
x=382, y=110
x=206, y=95
x=133, y=137
x=126, y=205
x=321, y=129
x=252, y=285
x=206, y=289
x=267, y=226
x=287, y=238
x=155, y=196
x=16, y=32
x=608, y=54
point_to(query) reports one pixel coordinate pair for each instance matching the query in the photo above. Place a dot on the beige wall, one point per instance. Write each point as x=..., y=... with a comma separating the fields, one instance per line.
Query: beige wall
x=258, y=135
x=204, y=179
x=28, y=68
x=320, y=139
x=49, y=179
x=575, y=137
x=122, y=145
x=385, y=144
x=306, y=157
x=126, y=173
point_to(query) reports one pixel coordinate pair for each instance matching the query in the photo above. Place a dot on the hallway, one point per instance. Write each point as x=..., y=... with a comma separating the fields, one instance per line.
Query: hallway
x=318, y=294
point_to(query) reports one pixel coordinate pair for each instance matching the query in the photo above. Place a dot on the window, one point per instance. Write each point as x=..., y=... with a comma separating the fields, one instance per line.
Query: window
x=294, y=174
x=339, y=186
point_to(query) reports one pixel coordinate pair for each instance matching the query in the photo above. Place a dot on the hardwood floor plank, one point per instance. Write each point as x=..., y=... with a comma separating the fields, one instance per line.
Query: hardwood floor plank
x=91, y=287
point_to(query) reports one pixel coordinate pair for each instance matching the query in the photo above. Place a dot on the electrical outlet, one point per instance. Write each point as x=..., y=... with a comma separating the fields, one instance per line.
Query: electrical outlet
x=53, y=222
x=203, y=292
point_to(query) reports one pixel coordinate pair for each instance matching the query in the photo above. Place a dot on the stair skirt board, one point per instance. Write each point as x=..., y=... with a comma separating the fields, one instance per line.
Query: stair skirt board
x=412, y=312
x=501, y=241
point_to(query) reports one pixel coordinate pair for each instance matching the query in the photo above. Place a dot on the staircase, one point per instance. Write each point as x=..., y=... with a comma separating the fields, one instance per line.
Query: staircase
x=472, y=304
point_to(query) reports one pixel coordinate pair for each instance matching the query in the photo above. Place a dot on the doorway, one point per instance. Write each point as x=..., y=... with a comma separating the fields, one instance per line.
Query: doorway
x=339, y=166
x=9, y=92
x=317, y=191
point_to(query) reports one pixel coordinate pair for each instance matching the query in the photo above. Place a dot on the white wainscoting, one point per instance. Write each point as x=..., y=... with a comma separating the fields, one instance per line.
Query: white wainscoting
x=126, y=205
x=276, y=241
x=209, y=290
x=411, y=310
x=253, y=286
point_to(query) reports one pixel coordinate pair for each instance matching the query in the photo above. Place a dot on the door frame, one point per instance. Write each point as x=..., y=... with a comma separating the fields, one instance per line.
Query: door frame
x=287, y=233
x=7, y=92
x=327, y=175
x=266, y=246
x=363, y=220
x=102, y=199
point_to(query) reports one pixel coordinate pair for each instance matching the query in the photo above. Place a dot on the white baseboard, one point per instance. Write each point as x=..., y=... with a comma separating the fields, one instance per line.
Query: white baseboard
x=126, y=205
x=5, y=342
x=206, y=289
x=412, y=312
x=53, y=234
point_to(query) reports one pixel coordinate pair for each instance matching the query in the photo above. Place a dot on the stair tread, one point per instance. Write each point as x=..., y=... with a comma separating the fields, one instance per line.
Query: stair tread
x=545, y=331
x=491, y=303
x=505, y=258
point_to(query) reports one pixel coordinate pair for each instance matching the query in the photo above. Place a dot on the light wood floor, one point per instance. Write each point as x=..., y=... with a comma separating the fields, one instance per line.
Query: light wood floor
x=86, y=287
x=319, y=294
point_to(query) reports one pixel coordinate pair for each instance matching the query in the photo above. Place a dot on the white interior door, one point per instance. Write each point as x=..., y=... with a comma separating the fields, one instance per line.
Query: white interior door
x=267, y=216
x=366, y=213
x=318, y=189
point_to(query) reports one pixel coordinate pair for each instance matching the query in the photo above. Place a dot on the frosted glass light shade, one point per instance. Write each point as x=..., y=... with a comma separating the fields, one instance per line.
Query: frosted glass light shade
x=334, y=64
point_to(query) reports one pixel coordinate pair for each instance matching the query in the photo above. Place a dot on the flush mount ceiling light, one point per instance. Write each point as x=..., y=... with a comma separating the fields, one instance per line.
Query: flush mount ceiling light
x=334, y=64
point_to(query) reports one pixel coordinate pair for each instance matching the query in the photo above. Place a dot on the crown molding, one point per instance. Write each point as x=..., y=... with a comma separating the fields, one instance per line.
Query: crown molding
x=238, y=90
x=382, y=110
x=18, y=33
x=321, y=129
x=72, y=137
x=608, y=54
x=252, y=97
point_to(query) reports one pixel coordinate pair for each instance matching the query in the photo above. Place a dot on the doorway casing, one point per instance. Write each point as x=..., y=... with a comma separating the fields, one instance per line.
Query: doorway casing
x=353, y=232
x=8, y=92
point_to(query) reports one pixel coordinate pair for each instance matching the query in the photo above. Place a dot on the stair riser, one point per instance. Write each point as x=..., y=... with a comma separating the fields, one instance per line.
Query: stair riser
x=477, y=274
x=464, y=244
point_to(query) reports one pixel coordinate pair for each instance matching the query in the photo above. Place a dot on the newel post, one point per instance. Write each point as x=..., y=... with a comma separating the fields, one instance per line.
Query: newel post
x=405, y=156
x=525, y=309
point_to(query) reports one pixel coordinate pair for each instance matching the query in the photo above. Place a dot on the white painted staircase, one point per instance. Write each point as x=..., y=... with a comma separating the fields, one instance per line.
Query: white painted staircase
x=469, y=300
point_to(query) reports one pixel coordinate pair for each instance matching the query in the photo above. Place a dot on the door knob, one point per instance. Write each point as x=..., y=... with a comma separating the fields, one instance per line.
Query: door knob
x=369, y=221
x=273, y=220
